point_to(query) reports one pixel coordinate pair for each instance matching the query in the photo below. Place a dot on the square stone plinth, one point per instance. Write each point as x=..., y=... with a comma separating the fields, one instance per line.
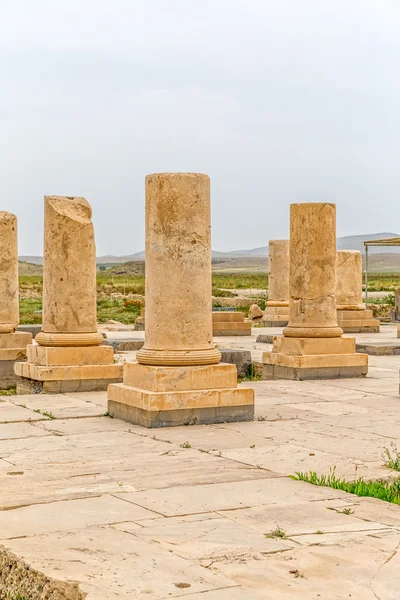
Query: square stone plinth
x=12, y=348
x=52, y=370
x=275, y=316
x=230, y=323
x=313, y=358
x=168, y=396
x=358, y=321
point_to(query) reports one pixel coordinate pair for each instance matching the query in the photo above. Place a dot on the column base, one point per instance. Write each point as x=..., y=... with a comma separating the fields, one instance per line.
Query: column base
x=308, y=358
x=230, y=323
x=12, y=349
x=275, y=316
x=358, y=321
x=57, y=370
x=154, y=396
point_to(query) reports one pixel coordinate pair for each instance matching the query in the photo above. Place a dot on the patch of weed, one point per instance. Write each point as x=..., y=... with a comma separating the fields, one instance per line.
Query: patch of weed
x=382, y=489
x=391, y=457
x=10, y=392
x=277, y=533
x=186, y=445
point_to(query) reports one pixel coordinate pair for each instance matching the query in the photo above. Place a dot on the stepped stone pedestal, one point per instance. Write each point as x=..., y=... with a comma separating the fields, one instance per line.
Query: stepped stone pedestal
x=230, y=323
x=351, y=313
x=178, y=378
x=69, y=357
x=312, y=346
x=276, y=312
x=12, y=343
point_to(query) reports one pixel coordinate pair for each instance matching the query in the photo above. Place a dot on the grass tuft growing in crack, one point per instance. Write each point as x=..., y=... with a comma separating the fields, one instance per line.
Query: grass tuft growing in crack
x=391, y=457
x=382, y=489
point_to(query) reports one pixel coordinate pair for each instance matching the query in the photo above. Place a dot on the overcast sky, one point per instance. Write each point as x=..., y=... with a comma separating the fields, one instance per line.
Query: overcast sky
x=278, y=101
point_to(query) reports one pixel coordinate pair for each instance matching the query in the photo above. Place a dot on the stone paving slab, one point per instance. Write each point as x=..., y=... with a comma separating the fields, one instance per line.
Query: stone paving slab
x=127, y=512
x=60, y=406
x=10, y=413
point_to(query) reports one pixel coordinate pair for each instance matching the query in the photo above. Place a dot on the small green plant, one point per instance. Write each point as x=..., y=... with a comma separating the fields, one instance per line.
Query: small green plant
x=48, y=414
x=10, y=392
x=347, y=511
x=319, y=532
x=389, y=299
x=253, y=446
x=16, y=596
x=391, y=457
x=252, y=375
x=277, y=533
x=382, y=489
x=186, y=445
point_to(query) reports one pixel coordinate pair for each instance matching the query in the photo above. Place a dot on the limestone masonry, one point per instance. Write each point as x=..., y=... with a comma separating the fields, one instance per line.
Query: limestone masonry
x=352, y=315
x=69, y=356
x=179, y=348
x=311, y=346
x=12, y=343
x=276, y=312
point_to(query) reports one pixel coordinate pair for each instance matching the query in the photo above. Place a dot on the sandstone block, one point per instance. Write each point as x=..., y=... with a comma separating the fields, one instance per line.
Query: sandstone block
x=49, y=356
x=173, y=379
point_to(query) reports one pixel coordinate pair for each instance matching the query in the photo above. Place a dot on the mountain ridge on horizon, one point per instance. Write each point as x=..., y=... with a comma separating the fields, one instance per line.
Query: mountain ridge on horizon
x=349, y=242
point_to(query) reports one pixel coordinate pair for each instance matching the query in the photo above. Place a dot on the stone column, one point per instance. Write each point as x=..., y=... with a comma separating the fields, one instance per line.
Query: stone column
x=69, y=274
x=351, y=312
x=178, y=271
x=177, y=378
x=349, y=280
x=276, y=312
x=9, y=294
x=311, y=346
x=68, y=356
x=12, y=343
x=312, y=288
x=278, y=279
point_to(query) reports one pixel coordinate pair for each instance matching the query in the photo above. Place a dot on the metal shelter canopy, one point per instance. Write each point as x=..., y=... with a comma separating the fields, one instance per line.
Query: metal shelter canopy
x=387, y=242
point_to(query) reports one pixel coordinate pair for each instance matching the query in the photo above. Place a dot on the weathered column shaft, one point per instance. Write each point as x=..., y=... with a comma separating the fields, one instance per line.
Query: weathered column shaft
x=9, y=295
x=278, y=278
x=349, y=280
x=312, y=288
x=178, y=271
x=69, y=274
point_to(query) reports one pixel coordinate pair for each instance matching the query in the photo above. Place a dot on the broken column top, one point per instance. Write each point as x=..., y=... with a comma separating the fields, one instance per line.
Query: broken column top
x=69, y=274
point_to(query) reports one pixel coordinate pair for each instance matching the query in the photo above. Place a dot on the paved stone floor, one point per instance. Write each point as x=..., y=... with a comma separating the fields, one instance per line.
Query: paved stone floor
x=186, y=512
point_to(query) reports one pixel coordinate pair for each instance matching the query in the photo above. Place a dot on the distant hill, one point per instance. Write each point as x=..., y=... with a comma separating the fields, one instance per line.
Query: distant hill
x=350, y=242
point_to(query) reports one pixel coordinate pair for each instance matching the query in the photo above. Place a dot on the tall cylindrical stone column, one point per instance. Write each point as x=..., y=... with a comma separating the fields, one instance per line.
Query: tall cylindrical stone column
x=349, y=280
x=312, y=288
x=278, y=278
x=9, y=294
x=69, y=274
x=178, y=271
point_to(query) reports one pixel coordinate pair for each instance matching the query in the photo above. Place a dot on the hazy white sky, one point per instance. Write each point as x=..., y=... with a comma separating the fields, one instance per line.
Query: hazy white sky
x=279, y=101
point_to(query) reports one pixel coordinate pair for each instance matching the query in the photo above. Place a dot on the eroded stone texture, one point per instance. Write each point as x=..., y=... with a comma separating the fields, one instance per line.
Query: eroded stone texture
x=19, y=580
x=349, y=280
x=9, y=296
x=278, y=278
x=69, y=274
x=276, y=312
x=178, y=271
x=68, y=357
x=312, y=302
x=311, y=346
x=177, y=379
x=351, y=314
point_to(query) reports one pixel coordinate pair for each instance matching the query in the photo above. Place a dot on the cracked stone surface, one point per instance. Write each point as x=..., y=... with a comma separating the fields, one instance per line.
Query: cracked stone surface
x=94, y=507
